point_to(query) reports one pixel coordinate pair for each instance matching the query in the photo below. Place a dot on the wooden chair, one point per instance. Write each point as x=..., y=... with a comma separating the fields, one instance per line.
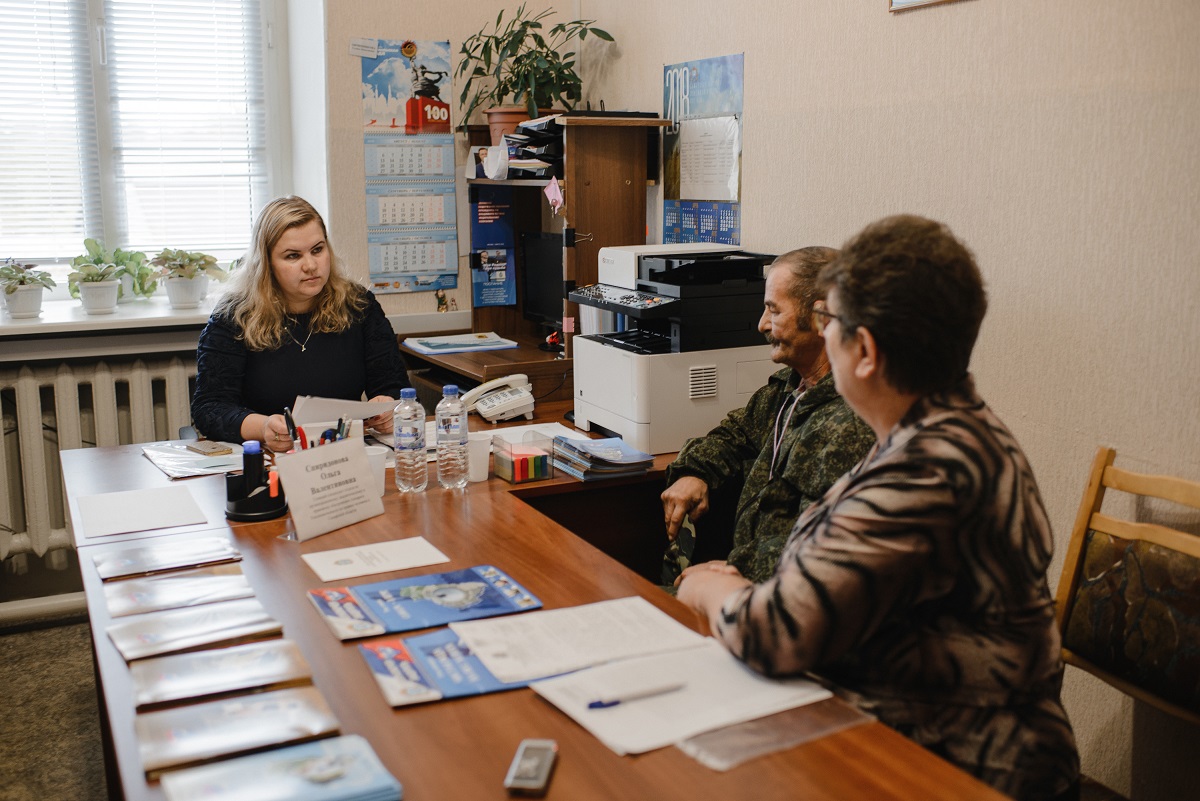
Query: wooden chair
x=1128, y=603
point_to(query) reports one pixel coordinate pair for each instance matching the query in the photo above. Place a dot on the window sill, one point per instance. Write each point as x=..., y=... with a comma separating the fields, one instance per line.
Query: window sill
x=65, y=330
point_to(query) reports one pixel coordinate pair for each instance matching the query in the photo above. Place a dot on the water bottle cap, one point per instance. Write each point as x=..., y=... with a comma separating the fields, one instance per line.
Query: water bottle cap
x=251, y=446
x=408, y=393
x=450, y=389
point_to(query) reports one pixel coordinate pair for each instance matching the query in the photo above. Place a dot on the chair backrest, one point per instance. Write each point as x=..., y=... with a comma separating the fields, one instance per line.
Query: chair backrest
x=1129, y=597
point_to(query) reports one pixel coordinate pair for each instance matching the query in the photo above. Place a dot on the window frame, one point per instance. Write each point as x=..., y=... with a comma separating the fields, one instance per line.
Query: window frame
x=277, y=115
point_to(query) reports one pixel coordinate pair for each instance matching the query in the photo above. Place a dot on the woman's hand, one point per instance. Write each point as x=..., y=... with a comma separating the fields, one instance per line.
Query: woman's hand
x=275, y=436
x=705, y=587
x=381, y=422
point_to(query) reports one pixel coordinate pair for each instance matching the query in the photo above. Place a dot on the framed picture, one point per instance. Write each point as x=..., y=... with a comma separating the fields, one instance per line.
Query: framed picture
x=904, y=5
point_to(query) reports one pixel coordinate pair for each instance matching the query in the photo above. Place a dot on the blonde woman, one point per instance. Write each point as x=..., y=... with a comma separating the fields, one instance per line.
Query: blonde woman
x=291, y=324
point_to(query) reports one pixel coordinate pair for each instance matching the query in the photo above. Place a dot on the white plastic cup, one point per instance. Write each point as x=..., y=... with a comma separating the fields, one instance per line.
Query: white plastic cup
x=479, y=448
x=377, y=458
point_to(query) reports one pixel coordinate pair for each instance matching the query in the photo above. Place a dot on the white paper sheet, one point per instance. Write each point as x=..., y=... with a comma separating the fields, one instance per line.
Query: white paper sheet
x=709, y=152
x=309, y=409
x=382, y=557
x=539, y=644
x=719, y=691
x=328, y=487
x=138, y=510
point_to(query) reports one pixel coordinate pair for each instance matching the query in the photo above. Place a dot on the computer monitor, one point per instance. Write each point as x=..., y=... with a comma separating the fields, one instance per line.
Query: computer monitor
x=542, y=278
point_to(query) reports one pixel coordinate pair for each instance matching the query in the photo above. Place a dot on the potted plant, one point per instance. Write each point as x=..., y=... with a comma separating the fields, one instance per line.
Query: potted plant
x=23, y=285
x=185, y=275
x=96, y=285
x=136, y=277
x=512, y=58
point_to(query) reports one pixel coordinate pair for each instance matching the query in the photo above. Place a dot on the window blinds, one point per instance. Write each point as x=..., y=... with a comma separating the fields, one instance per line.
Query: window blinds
x=168, y=151
x=49, y=171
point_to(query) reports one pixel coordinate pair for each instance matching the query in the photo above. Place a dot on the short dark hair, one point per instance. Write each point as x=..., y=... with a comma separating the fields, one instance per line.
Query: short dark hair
x=805, y=265
x=917, y=289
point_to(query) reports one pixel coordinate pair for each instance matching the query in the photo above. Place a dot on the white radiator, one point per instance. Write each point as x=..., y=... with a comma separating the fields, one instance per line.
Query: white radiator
x=50, y=407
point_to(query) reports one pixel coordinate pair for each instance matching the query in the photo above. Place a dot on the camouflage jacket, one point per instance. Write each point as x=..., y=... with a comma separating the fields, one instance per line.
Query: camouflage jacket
x=823, y=440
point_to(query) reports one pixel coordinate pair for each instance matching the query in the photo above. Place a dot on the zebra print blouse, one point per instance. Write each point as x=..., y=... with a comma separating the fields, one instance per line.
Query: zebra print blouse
x=918, y=586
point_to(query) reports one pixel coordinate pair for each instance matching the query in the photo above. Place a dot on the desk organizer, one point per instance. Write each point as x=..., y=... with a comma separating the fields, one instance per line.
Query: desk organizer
x=255, y=504
x=519, y=462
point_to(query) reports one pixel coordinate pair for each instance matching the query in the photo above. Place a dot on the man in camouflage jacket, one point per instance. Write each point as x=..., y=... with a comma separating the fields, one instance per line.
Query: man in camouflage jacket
x=794, y=438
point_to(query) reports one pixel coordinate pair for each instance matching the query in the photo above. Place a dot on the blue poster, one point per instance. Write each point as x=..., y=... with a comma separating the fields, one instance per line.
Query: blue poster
x=704, y=90
x=408, y=153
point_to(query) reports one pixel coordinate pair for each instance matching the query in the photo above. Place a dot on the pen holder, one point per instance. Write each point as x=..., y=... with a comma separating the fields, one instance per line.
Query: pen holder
x=518, y=462
x=254, y=503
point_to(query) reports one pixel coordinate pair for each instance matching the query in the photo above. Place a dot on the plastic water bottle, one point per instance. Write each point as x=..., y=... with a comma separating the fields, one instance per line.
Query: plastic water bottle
x=451, y=425
x=408, y=421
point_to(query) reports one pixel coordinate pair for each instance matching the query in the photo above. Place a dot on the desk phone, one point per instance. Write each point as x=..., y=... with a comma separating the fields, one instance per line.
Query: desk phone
x=501, y=399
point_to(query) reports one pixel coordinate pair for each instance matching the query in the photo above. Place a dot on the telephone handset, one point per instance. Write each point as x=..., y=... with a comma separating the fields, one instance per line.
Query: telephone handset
x=501, y=399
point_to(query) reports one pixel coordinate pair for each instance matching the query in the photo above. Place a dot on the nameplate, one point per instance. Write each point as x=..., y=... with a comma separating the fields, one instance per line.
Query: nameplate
x=328, y=487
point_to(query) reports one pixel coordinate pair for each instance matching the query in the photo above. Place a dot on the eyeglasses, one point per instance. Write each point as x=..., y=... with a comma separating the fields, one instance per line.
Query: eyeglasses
x=826, y=317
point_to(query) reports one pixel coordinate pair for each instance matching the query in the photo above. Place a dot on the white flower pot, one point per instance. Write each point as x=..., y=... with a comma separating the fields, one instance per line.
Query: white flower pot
x=25, y=302
x=186, y=293
x=99, y=297
x=126, y=294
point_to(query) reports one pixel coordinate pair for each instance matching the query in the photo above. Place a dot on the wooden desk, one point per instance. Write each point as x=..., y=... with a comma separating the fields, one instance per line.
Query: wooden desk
x=551, y=376
x=462, y=748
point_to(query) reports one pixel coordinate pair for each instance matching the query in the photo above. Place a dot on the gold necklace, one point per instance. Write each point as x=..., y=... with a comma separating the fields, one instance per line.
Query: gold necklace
x=304, y=345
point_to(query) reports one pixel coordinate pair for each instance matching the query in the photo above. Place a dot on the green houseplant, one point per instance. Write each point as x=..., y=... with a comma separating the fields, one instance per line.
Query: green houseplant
x=513, y=58
x=131, y=269
x=23, y=285
x=96, y=285
x=185, y=275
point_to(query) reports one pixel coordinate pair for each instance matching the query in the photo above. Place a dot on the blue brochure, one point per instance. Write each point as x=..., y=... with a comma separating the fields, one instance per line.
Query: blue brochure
x=429, y=667
x=408, y=604
x=337, y=769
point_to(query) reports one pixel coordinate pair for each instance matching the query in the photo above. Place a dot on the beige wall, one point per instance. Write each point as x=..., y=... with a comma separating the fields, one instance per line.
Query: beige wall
x=1059, y=139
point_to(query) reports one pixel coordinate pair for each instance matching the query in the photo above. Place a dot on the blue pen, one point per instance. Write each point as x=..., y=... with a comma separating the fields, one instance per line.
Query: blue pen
x=605, y=702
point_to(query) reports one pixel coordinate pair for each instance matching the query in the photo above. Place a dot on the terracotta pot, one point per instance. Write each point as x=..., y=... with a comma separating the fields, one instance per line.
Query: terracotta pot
x=504, y=119
x=25, y=302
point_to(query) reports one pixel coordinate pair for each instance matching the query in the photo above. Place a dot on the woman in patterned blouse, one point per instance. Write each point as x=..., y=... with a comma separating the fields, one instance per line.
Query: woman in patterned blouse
x=917, y=585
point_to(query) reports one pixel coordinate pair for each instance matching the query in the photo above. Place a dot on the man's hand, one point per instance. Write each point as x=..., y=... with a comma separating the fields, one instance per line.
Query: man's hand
x=381, y=422
x=687, y=497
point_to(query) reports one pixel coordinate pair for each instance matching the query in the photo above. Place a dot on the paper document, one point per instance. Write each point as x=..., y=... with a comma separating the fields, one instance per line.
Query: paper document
x=309, y=409
x=717, y=691
x=178, y=462
x=382, y=557
x=540, y=644
x=460, y=343
x=138, y=510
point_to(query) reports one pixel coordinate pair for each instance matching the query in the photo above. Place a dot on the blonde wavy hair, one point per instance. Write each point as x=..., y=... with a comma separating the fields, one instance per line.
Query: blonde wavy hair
x=254, y=300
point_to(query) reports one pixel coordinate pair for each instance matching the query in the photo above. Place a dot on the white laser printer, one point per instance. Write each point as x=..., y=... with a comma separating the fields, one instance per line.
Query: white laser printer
x=686, y=350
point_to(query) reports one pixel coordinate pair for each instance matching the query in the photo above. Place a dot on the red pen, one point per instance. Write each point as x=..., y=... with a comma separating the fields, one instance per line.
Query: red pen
x=303, y=439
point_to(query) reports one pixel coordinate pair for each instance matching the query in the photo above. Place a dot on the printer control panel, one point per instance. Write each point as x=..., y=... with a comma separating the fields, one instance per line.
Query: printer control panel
x=643, y=305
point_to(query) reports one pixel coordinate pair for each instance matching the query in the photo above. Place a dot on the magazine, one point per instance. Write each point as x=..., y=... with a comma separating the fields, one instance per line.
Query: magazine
x=189, y=735
x=335, y=769
x=178, y=630
x=429, y=667
x=159, y=558
x=273, y=664
x=407, y=604
x=459, y=343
